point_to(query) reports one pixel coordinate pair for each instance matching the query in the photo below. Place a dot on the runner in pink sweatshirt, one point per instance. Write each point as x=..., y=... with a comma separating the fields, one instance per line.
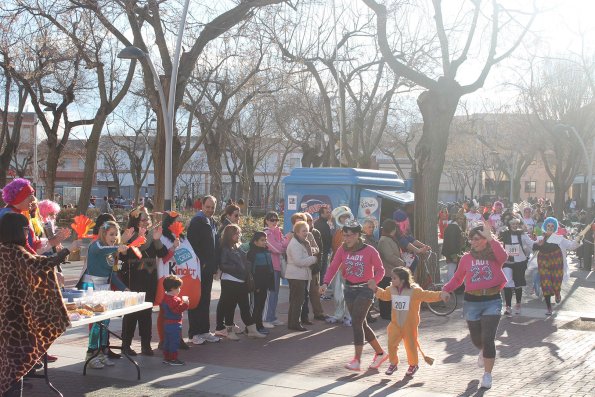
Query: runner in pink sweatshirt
x=481, y=270
x=362, y=269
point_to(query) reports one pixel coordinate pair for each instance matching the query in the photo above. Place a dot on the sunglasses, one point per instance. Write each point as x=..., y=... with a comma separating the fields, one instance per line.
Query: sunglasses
x=273, y=220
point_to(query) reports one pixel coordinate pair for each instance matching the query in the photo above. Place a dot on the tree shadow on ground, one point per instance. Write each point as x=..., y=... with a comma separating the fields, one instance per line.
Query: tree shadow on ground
x=472, y=390
x=518, y=329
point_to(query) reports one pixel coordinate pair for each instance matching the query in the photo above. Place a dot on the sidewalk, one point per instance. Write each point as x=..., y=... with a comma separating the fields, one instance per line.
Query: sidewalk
x=536, y=356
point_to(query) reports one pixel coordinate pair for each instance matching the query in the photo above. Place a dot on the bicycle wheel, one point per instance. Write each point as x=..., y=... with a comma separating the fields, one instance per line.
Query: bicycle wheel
x=442, y=308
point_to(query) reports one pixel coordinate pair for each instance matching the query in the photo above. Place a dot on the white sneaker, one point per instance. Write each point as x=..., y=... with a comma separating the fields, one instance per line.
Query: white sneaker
x=268, y=325
x=332, y=320
x=96, y=363
x=346, y=322
x=378, y=360
x=209, y=337
x=480, y=362
x=517, y=308
x=198, y=340
x=277, y=323
x=105, y=360
x=486, y=381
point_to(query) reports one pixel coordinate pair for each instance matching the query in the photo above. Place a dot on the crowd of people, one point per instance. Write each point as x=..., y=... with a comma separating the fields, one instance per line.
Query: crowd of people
x=330, y=257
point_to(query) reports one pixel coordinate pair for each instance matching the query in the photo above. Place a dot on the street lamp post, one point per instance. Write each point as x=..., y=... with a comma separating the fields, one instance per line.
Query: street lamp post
x=588, y=159
x=167, y=108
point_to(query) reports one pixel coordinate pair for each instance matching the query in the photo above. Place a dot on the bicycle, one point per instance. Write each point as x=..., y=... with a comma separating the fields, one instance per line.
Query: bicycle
x=439, y=308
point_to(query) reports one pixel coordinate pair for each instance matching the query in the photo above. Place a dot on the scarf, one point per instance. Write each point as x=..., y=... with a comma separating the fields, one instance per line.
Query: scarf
x=305, y=243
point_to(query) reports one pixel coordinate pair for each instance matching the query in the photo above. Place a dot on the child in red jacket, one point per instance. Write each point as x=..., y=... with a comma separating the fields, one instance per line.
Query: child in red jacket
x=172, y=307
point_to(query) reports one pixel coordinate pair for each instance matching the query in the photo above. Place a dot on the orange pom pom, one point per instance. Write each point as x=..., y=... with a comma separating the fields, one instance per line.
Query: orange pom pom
x=177, y=228
x=137, y=242
x=82, y=225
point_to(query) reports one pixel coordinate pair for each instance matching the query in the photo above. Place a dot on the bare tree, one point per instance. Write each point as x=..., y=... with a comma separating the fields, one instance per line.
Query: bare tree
x=114, y=162
x=158, y=18
x=438, y=103
x=560, y=96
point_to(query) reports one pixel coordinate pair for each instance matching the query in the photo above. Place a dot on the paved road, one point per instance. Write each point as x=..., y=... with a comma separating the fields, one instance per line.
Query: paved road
x=536, y=356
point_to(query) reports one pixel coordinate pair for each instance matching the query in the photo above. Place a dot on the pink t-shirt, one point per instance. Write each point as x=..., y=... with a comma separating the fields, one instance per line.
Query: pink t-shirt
x=357, y=267
x=480, y=273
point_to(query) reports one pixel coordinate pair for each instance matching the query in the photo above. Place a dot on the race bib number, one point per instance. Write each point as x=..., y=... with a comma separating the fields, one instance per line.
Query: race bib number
x=401, y=302
x=182, y=255
x=513, y=249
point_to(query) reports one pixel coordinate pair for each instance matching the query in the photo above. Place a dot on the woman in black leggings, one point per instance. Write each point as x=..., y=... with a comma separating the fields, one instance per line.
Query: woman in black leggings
x=362, y=270
x=481, y=270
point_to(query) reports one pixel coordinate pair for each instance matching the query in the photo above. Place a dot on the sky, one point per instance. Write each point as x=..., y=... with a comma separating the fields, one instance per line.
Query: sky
x=555, y=32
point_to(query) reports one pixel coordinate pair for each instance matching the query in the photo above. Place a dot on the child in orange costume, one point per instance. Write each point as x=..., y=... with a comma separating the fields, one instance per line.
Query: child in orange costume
x=406, y=297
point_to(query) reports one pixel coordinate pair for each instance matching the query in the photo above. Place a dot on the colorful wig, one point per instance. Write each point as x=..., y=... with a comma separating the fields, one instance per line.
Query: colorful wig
x=47, y=207
x=552, y=220
x=12, y=190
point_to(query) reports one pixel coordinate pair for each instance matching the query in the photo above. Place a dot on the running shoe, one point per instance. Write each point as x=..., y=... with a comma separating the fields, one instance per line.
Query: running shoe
x=353, y=365
x=391, y=368
x=277, y=323
x=412, y=370
x=558, y=298
x=378, y=360
x=548, y=313
x=209, y=337
x=480, y=362
x=105, y=360
x=517, y=308
x=332, y=320
x=198, y=340
x=221, y=333
x=486, y=381
x=268, y=325
x=176, y=362
x=508, y=311
x=346, y=322
x=263, y=331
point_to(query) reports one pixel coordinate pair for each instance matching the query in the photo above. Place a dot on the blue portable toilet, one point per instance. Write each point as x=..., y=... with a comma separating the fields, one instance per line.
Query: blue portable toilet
x=370, y=194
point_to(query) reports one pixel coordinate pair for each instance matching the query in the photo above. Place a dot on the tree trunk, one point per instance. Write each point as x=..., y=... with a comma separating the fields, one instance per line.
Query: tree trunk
x=51, y=169
x=214, y=154
x=91, y=161
x=559, y=197
x=516, y=188
x=437, y=108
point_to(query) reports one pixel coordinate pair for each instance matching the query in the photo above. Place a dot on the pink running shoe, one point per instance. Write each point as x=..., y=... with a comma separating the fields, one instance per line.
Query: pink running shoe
x=412, y=370
x=378, y=360
x=353, y=365
x=391, y=368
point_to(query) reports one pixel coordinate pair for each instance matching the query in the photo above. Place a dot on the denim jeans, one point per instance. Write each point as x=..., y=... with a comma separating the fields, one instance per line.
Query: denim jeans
x=270, y=313
x=472, y=311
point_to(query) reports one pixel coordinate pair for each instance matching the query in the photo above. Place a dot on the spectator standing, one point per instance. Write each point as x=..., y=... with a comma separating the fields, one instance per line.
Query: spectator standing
x=390, y=253
x=105, y=207
x=313, y=291
x=202, y=235
x=322, y=225
x=276, y=244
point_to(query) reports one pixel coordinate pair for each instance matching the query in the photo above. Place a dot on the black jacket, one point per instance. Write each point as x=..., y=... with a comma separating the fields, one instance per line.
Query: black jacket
x=234, y=262
x=325, y=234
x=202, y=233
x=140, y=275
